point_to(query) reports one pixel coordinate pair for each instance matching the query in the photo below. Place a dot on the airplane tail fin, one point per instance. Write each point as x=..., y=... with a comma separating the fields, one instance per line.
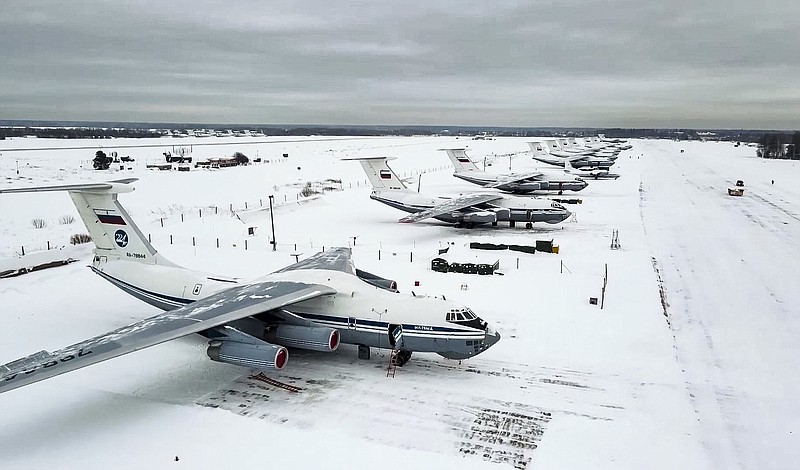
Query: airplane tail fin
x=538, y=149
x=554, y=144
x=379, y=173
x=568, y=165
x=460, y=160
x=113, y=232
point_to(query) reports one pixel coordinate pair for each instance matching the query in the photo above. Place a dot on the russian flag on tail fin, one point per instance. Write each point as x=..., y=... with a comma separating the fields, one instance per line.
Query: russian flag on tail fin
x=107, y=216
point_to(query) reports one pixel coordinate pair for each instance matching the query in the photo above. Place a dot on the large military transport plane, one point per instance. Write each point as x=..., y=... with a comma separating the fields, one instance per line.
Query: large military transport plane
x=467, y=210
x=519, y=183
x=314, y=304
x=540, y=153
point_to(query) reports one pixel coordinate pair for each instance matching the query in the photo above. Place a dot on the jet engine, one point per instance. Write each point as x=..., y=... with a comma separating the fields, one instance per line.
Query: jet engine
x=377, y=281
x=257, y=355
x=531, y=186
x=315, y=338
x=483, y=217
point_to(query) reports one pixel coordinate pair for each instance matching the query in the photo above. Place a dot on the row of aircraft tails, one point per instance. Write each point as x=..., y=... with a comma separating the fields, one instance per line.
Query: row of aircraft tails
x=490, y=206
x=314, y=304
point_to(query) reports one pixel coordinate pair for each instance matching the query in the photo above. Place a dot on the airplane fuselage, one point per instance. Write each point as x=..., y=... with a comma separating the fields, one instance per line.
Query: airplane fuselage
x=508, y=208
x=547, y=182
x=363, y=314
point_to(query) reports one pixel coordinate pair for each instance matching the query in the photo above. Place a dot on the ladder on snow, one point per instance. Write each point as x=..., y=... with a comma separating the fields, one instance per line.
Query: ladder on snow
x=390, y=371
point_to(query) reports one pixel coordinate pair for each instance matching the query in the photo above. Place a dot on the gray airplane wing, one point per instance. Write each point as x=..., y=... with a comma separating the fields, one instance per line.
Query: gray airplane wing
x=502, y=181
x=216, y=310
x=334, y=259
x=452, y=205
x=70, y=187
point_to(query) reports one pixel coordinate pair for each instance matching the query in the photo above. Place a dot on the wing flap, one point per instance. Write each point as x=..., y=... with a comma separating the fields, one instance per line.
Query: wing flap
x=216, y=310
x=452, y=205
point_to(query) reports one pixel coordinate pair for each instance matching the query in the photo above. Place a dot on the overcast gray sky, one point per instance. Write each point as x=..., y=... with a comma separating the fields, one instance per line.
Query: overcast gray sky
x=726, y=64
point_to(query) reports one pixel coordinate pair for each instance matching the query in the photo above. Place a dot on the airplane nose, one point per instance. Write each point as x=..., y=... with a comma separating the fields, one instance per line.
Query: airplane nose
x=491, y=338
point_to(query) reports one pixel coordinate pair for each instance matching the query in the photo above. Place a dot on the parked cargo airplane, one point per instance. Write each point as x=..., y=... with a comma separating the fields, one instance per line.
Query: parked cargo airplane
x=314, y=304
x=589, y=172
x=538, y=180
x=467, y=210
x=578, y=160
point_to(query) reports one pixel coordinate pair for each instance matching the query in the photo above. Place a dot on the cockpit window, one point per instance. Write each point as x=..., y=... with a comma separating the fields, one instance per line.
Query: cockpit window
x=462, y=315
x=465, y=317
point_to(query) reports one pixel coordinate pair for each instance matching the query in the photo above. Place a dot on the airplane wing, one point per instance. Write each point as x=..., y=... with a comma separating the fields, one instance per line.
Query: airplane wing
x=452, y=205
x=333, y=259
x=513, y=179
x=215, y=310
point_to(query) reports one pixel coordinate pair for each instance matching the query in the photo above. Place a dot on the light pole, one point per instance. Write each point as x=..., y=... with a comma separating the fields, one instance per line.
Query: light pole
x=272, y=221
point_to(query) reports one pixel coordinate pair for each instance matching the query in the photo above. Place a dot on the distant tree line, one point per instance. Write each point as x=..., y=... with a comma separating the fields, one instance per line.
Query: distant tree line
x=779, y=145
x=97, y=130
x=75, y=132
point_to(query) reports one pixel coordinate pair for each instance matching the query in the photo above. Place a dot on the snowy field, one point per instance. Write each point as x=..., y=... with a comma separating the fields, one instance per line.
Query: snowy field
x=692, y=363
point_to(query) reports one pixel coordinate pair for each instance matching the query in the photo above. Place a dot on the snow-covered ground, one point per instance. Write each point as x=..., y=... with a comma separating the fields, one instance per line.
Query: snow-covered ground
x=705, y=379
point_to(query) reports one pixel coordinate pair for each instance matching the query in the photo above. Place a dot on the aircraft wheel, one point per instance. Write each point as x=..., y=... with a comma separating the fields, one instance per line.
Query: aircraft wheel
x=528, y=225
x=402, y=358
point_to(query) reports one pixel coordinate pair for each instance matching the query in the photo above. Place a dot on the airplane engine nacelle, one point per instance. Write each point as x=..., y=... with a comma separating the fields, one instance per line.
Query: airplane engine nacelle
x=262, y=356
x=483, y=217
x=377, y=281
x=530, y=186
x=504, y=214
x=305, y=337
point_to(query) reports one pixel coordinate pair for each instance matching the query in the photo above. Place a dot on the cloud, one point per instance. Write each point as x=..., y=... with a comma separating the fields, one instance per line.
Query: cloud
x=572, y=63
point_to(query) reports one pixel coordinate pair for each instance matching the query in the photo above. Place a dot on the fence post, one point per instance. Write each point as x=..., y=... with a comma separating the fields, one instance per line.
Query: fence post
x=201, y=212
x=181, y=216
x=170, y=239
x=216, y=210
x=245, y=244
x=162, y=222
x=48, y=245
x=23, y=251
x=517, y=263
x=411, y=257
x=379, y=255
x=217, y=242
x=245, y=205
x=193, y=241
x=149, y=239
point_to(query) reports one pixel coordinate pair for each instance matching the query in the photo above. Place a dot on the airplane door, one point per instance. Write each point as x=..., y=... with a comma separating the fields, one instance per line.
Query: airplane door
x=396, y=336
x=351, y=323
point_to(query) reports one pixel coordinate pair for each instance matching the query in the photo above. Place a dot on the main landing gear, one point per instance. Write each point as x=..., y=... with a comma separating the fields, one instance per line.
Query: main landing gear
x=400, y=357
